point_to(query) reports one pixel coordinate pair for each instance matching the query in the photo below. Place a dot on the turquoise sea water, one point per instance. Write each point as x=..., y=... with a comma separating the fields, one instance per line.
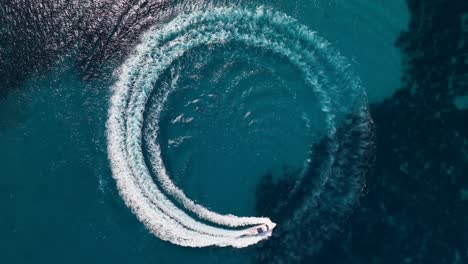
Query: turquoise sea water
x=58, y=198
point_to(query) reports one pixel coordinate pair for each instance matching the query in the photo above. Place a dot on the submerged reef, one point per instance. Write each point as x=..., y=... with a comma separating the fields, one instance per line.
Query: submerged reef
x=323, y=205
x=414, y=209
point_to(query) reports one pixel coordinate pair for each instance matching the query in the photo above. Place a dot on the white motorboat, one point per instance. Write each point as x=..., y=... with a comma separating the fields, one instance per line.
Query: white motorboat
x=260, y=230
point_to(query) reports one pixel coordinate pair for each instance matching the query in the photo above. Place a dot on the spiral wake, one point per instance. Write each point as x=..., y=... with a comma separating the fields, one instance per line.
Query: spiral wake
x=139, y=99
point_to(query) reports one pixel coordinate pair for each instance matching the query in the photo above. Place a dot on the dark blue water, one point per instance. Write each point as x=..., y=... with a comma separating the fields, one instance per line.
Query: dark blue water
x=241, y=133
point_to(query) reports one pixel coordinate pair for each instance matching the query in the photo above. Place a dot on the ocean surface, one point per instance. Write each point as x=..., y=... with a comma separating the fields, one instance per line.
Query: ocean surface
x=344, y=122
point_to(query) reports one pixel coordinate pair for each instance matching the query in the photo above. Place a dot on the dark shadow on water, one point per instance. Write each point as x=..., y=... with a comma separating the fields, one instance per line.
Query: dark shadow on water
x=36, y=35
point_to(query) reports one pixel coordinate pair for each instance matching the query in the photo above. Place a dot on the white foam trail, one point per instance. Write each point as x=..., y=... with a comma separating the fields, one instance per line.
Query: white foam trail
x=160, y=48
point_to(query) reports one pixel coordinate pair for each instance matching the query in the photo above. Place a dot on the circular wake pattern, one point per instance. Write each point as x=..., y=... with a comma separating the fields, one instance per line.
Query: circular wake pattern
x=140, y=97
